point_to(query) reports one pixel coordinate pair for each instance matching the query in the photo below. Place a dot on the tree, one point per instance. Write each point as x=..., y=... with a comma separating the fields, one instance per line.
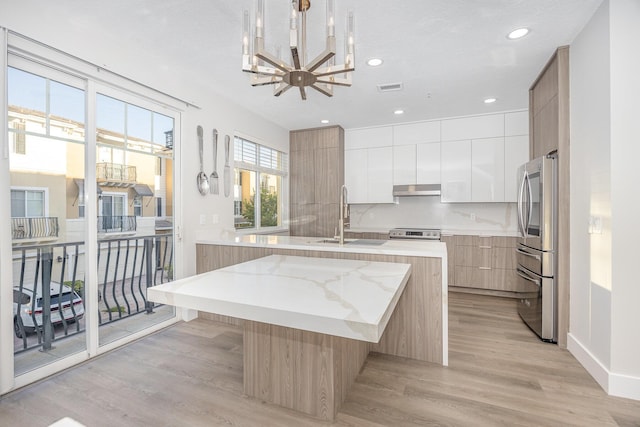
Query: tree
x=268, y=209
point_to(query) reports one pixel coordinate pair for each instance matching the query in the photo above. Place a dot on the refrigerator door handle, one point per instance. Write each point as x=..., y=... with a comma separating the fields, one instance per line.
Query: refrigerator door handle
x=525, y=276
x=520, y=205
x=529, y=202
x=520, y=251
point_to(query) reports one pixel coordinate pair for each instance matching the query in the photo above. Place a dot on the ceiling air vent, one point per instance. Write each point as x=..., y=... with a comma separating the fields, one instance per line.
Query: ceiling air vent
x=389, y=87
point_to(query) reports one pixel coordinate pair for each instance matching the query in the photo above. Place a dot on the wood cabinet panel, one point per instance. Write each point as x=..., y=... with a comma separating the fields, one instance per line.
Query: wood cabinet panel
x=545, y=129
x=485, y=262
x=302, y=177
x=450, y=241
x=316, y=175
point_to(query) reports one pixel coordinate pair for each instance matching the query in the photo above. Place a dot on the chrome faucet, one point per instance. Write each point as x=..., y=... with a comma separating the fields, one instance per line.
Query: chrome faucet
x=344, y=212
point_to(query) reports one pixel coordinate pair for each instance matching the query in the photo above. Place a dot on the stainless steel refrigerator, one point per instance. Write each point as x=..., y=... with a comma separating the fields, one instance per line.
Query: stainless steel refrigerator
x=536, y=251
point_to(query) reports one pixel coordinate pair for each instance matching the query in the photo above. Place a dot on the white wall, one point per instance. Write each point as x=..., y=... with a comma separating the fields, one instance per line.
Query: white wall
x=625, y=176
x=47, y=25
x=605, y=125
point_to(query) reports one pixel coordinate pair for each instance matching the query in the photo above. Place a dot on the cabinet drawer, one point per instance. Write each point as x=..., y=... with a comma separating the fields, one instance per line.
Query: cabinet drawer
x=503, y=258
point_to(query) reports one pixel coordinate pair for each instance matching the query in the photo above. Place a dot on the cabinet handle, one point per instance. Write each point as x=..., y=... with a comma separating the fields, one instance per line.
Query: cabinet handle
x=484, y=247
x=484, y=268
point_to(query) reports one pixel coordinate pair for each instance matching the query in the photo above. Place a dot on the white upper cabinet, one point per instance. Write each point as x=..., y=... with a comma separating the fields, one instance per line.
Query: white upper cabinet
x=416, y=133
x=516, y=123
x=355, y=175
x=404, y=164
x=516, y=153
x=368, y=175
x=487, y=170
x=474, y=158
x=491, y=125
x=380, y=175
x=456, y=171
x=428, y=163
x=368, y=138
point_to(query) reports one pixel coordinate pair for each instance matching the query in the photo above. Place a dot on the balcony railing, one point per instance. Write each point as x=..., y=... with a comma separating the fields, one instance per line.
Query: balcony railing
x=126, y=268
x=116, y=224
x=115, y=174
x=34, y=228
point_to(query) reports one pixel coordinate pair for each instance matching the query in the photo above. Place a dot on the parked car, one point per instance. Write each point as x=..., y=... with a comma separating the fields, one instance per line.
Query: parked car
x=31, y=312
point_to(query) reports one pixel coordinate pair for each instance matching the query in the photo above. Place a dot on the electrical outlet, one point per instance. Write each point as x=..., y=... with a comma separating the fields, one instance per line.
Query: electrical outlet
x=203, y=219
x=472, y=216
x=215, y=218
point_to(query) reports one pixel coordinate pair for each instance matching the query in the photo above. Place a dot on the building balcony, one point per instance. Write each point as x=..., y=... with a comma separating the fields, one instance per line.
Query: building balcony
x=116, y=175
x=37, y=228
x=117, y=224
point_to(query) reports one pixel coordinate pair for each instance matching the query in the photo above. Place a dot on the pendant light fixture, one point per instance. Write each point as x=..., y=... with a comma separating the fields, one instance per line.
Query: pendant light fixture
x=320, y=74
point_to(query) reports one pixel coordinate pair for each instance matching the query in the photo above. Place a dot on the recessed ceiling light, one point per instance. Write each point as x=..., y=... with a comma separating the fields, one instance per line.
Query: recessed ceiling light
x=324, y=121
x=374, y=62
x=398, y=112
x=490, y=100
x=518, y=33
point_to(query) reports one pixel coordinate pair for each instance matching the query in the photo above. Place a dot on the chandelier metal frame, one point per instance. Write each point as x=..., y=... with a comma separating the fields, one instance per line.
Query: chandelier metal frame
x=320, y=74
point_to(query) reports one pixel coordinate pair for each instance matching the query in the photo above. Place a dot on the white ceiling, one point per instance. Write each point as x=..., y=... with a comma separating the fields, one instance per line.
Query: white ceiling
x=449, y=54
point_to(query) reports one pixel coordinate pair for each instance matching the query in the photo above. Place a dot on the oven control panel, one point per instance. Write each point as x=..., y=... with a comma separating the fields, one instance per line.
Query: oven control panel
x=415, y=233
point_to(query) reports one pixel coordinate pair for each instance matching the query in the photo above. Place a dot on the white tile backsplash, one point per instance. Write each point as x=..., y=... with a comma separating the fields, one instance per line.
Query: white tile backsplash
x=429, y=212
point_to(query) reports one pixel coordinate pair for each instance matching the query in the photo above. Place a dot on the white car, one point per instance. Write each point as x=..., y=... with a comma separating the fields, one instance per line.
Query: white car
x=31, y=311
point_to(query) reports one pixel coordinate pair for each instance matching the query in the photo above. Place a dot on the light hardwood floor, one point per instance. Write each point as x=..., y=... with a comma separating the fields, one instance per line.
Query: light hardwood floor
x=191, y=375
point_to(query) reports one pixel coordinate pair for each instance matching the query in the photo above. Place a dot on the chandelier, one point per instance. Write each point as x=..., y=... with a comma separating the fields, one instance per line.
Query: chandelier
x=321, y=73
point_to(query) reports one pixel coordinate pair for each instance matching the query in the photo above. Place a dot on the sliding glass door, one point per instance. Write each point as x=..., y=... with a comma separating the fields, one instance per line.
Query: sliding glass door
x=91, y=175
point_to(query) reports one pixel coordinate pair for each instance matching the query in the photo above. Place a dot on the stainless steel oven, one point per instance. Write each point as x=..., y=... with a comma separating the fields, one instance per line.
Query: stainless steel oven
x=537, y=245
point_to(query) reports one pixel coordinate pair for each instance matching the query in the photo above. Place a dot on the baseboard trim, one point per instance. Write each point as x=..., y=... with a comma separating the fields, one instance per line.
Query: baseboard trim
x=612, y=383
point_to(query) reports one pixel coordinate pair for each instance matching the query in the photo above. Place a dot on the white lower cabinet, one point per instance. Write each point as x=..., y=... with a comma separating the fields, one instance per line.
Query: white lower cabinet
x=455, y=174
x=369, y=175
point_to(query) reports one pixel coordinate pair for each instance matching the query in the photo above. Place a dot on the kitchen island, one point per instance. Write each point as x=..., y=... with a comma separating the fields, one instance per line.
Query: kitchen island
x=307, y=327
x=418, y=327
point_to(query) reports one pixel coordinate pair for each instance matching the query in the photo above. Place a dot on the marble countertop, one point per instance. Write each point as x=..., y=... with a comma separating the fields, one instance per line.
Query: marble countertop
x=385, y=247
x=323, y=295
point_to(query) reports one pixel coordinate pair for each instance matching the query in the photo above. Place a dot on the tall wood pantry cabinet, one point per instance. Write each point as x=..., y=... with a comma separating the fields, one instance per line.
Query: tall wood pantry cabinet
x=316, y=175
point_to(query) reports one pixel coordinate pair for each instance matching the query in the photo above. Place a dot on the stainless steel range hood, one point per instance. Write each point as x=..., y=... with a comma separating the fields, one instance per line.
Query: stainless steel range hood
x=416, y=190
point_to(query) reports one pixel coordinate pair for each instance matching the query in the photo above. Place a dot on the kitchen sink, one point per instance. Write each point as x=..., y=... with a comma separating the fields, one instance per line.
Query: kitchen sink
x=363, y=242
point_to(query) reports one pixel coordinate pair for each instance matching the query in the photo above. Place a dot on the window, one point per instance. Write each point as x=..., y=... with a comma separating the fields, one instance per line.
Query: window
x=19, y=140
x=158, y=206
x=137, y=206
x=27, y=203
x=259, y=176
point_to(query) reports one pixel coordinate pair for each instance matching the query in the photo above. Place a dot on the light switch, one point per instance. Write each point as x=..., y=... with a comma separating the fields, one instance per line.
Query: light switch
x=595, y=225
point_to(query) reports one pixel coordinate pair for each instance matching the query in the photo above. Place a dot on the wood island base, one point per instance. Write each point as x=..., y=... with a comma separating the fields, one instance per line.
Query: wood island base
x=305, y=371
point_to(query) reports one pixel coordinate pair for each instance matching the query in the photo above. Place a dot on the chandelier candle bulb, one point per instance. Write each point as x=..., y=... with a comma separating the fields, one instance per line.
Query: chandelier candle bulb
x=331, y=28
x=260, y=19
x=245, y=33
